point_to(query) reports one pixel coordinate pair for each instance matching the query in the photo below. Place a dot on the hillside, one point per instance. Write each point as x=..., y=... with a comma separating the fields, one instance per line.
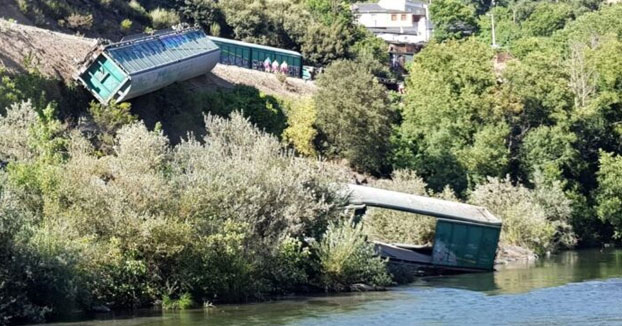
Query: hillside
x=57, y=55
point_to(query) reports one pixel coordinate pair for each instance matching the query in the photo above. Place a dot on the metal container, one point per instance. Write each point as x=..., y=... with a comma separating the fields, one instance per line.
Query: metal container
x=144, y=64
x=254, y=56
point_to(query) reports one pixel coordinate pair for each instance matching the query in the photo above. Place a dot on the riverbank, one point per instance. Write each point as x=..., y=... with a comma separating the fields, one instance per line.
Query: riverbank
x=552, y=290
x=507, y=254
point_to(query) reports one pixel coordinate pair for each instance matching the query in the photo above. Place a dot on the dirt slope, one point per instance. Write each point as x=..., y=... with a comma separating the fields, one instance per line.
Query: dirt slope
x=223, y=76
x=57, y=55
x=54, y=54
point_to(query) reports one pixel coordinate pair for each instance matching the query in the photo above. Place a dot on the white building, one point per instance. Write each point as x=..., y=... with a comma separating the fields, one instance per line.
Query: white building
x=396, y=21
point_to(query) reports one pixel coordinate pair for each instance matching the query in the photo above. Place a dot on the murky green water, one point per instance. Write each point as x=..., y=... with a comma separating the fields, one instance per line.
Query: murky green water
x=572, y=288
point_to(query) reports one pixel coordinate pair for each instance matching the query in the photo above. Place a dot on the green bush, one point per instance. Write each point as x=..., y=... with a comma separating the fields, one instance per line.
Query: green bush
x=126, y=24
x=184, y=302
x=146, y=220
x=288, y=267
x=535, y=219
x=162, y=18
x=400, y=227
x=345, y=258
x=300, y=131
x=261, y=109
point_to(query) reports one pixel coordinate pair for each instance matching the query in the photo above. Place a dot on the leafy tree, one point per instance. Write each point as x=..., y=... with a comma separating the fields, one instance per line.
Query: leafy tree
x=275, y=23
x=507, y=30
x=609, y=192
x=330, y=11
x=451, y=122
x=452, y=19
x=547, y=18
x=372, y=52
x=354, y=115
x=206, y=13
x=323, y=44
x=551, y=152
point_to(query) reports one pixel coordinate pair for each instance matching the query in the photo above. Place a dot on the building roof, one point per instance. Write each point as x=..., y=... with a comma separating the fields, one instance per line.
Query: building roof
x=369, y=7
x=366, y=7
x=256, y=46
x=152, y=51
x=449, y=210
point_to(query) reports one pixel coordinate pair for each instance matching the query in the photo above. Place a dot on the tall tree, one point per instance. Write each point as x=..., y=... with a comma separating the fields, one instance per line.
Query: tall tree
x=355, y=115
x=453, y=19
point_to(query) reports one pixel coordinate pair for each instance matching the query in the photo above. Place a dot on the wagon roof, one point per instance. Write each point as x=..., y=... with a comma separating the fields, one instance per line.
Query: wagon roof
x=257, y=46
x=449, y=210
x=160, y=49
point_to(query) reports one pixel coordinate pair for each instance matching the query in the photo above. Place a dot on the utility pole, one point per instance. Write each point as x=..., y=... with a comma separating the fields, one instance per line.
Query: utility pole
x=492, y=20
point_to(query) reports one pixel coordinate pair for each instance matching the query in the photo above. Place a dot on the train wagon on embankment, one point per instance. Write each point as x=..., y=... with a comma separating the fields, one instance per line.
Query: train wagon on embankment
x=147, y=62
x=259, y=57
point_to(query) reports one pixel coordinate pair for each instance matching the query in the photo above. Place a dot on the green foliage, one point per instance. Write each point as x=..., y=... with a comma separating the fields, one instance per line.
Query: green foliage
x=547, y=18
x=126, y=24
x=300, y=131
x=146, y=220
x=323, y=44
x=264, y=110
x=609, y=192
x=329, y=11
x=453, y=19
x=346, y=258
x=535, y=219
x=550, y=151
x=591, y=25
x=399, y=227
x=354, y=115
x=184, y=302
x=453, y=132
x=289, y=266
x=109, y=119
x=206, y=13
x=371, y=51
x=162, y=18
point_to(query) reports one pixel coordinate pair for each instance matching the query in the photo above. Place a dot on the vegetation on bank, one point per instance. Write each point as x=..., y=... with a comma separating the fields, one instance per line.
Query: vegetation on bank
x=230, y=217
x=99, y=209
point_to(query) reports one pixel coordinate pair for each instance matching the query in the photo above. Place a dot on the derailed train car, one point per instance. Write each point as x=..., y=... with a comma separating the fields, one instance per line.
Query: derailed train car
x=146, y=63
x=466, y=236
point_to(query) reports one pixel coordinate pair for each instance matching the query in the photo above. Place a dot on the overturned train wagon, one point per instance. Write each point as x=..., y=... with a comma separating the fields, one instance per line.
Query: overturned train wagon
x=466, y=236
x=146, y=63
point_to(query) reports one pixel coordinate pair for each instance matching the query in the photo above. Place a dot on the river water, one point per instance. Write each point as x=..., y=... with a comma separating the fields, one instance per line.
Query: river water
x=570, y=288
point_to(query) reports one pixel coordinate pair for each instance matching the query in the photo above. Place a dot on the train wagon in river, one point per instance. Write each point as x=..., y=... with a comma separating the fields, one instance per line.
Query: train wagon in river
x=148, y=62
x=465, y=239
x=259, y=57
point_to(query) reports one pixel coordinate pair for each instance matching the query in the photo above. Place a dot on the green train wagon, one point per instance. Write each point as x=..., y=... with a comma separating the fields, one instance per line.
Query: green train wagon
x=465, y=240
x=146, y=63
x=259, y=57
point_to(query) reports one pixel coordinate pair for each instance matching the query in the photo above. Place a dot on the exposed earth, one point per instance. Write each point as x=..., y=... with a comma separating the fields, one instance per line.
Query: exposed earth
x=58, y=55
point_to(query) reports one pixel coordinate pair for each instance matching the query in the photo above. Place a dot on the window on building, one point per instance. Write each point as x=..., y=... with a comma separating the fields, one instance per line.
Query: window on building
x=415, y=18
x=403, y=17
x=394, y=17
